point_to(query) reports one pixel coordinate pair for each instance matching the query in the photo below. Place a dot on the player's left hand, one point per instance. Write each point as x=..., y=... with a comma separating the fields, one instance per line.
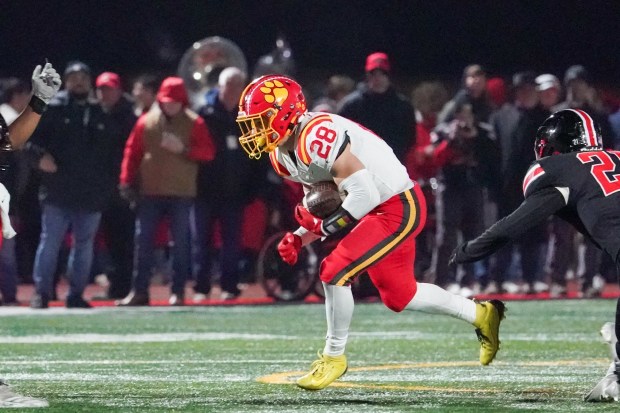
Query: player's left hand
x=459, y=256
x=309, y=221
x=45, y=82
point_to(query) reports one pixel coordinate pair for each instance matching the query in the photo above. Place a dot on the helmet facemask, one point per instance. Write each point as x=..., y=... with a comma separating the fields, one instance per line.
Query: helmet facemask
x=257, y=134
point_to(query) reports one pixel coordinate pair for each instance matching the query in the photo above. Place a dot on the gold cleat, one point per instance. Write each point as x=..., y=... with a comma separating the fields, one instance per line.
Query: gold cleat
x=489, y=314
x=323, y=372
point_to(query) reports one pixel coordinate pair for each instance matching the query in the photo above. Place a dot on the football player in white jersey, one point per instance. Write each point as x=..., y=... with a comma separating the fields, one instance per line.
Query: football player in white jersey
x=387, y=207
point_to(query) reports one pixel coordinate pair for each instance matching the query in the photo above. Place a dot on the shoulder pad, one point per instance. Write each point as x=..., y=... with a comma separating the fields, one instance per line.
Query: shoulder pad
x=277, y=166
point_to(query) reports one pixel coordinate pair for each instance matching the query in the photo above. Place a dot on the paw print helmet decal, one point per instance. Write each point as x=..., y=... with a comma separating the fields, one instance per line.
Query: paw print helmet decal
x=269, y=110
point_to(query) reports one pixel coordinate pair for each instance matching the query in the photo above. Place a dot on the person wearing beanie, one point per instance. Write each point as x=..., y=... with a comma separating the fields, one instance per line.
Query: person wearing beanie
x=158, y=174
x=74, y=152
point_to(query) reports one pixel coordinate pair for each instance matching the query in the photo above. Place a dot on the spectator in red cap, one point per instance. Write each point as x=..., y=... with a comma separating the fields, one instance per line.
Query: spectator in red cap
x=161, y=163
x=377, y=106
x=109, y=89
x=117, y=219
x=378, y=60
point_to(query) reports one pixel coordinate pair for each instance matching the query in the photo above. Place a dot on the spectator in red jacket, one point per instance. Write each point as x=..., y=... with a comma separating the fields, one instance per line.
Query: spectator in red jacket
x=161, y=165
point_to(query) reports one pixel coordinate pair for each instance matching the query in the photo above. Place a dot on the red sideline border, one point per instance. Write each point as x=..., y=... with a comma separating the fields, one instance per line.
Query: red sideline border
x=313, y=299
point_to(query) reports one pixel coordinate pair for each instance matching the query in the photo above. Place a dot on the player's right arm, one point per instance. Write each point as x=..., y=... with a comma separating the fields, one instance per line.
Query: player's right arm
x=542, y=200
x=45, y=83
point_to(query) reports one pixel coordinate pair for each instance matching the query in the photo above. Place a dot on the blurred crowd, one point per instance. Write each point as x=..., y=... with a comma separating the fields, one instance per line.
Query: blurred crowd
x=127, y=179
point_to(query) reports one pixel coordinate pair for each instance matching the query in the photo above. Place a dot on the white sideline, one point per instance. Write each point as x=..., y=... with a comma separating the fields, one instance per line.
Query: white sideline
x=140, y=362
x=137, y=338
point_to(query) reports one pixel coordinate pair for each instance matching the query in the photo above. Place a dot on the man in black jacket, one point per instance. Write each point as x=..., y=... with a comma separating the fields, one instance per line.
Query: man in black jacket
x=224, y=186
x=377, y=106
x=73, y=150
x=515, y=126
x=118, y=218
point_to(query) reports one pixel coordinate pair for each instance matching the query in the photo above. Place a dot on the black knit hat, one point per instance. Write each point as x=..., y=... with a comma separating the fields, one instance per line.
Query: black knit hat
x=77, y=66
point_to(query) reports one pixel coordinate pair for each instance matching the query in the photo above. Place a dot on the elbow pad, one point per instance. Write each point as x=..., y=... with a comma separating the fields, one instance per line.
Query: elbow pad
x=362, y=193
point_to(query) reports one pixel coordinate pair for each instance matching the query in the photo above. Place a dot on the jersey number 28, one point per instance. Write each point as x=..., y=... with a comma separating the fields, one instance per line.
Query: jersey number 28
x=324, y=135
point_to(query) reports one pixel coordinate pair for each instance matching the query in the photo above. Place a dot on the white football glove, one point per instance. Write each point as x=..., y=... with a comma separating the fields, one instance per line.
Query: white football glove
x=45, y=82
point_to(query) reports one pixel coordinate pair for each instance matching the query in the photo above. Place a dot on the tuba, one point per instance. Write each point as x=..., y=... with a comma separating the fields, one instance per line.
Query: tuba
x=202, y=63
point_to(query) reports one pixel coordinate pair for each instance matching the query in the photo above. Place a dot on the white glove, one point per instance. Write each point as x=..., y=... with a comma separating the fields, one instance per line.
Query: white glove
x=5, y=199
x=45, y=82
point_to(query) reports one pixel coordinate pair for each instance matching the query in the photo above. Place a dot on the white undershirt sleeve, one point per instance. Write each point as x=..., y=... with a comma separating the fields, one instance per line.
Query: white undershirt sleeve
x=362, y=193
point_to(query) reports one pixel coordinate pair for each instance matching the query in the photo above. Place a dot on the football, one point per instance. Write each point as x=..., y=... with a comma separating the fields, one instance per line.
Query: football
x=323, y=199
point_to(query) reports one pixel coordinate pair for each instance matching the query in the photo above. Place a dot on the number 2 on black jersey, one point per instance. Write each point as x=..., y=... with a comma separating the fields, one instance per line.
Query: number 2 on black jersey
x=603, y=163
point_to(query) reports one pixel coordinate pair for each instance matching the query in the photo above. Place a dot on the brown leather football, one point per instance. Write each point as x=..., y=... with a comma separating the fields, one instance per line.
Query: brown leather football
x=323, y=199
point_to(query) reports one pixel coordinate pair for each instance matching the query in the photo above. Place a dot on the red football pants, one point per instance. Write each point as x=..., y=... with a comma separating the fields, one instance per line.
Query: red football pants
x=383, y=244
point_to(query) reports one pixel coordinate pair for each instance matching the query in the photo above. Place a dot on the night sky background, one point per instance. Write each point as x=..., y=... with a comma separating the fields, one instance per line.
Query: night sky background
x=425, y=39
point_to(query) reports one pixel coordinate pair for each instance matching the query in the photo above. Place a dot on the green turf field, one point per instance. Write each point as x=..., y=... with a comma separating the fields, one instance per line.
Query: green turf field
x=243, y=359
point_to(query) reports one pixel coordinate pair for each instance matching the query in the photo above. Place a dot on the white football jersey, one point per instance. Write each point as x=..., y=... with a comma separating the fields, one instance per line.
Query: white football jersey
x=321, y=137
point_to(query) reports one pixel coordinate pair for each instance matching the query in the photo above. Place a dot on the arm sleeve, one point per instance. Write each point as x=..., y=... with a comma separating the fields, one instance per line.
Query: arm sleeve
x=532, y=212
x=134, y=150
x=362, y=193
x=201, y=146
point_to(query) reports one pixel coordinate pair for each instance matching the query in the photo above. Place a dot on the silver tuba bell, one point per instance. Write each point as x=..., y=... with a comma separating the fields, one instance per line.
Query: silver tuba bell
x=202, y=63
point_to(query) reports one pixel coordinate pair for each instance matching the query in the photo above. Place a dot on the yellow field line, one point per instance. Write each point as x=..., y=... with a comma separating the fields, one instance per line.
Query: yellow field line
x=290, y=376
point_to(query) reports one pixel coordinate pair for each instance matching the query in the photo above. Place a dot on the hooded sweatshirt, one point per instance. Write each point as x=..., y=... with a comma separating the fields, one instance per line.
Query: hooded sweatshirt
x=155, y=170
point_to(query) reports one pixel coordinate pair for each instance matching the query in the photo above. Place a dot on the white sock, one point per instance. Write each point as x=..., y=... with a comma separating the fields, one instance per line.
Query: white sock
x=339, y=312
x=433, y=299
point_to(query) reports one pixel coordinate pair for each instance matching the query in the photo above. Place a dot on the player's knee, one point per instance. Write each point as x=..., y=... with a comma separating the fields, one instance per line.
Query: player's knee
x=395, y=304
x=397, y=300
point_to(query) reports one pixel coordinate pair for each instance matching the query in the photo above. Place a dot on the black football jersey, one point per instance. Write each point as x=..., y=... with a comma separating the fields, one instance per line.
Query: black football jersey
x=590, y=184
x=582, y=188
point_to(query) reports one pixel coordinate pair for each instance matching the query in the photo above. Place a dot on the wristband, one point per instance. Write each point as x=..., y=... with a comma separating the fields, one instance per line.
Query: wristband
x=337, y=221
x=37, y=105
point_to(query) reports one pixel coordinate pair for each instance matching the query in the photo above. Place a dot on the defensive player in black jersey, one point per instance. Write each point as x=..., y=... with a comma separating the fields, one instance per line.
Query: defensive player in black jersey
x=575, y=179
x=45, y=83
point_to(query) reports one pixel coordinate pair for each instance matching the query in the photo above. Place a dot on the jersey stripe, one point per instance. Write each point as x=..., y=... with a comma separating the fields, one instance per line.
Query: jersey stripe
x=589, y=127
x=302, y=149
x=277, y=166
x=409, y=224
x=533, y=174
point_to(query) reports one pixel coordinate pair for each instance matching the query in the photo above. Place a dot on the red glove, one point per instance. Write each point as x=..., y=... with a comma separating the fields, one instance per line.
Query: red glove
x=309, y=221
x=289, y=248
